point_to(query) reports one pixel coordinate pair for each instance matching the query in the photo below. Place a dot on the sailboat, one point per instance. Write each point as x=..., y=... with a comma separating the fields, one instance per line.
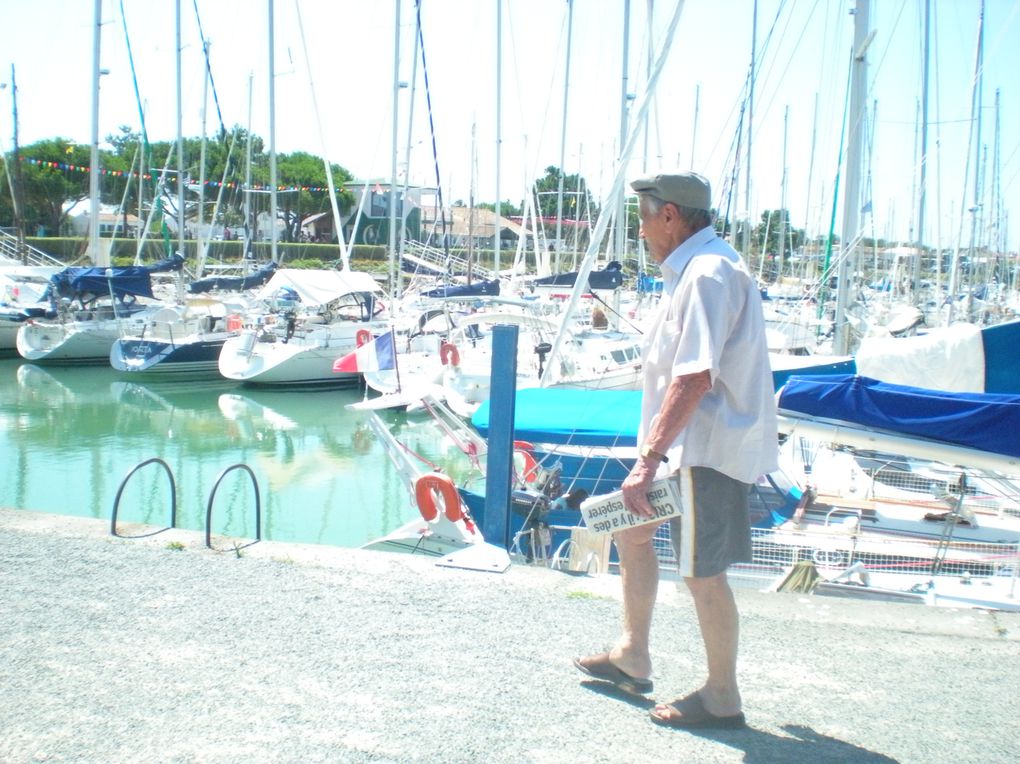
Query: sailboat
x=183, y=340
x=89, y=309
x=311, y=318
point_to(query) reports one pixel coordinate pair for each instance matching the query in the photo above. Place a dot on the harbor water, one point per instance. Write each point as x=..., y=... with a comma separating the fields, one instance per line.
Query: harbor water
x=71, y=435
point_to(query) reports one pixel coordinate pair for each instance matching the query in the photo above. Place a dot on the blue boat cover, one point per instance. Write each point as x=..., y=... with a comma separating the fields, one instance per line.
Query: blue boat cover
x=580, y=417
x=89, y=283
x=476, y=289
x=985, y=421
x=1002, y=361
x=234, y=283
x=610, y=277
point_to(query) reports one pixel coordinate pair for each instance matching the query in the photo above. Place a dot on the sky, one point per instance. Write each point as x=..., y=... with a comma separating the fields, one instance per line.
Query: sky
x=334, y=92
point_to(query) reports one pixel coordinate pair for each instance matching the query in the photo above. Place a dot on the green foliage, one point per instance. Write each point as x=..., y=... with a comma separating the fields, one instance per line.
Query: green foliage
x=506, y=208
x=577, y=199
x=46, y=190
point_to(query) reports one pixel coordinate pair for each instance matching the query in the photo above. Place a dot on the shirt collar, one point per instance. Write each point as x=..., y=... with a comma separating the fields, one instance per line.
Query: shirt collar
x=673, y=266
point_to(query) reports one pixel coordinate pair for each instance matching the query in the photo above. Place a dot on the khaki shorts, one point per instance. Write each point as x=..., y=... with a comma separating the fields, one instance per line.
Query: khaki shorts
x=717, y=506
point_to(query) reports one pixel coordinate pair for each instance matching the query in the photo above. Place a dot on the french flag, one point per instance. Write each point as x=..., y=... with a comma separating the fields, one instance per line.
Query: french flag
x=378, y=355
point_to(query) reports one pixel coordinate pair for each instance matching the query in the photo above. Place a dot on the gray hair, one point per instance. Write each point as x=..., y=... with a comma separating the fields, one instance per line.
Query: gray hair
x=695, y=218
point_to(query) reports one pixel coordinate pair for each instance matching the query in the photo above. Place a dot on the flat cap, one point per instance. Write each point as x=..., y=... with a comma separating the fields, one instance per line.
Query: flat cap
x=687, y=189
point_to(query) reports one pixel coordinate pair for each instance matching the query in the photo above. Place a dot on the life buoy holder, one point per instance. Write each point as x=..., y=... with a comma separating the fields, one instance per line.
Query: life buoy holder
x=449, y=355
x=427, y=487
x=363, y=337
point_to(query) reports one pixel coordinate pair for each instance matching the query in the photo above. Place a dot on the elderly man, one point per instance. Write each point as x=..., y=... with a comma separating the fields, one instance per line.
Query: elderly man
x=708, y=422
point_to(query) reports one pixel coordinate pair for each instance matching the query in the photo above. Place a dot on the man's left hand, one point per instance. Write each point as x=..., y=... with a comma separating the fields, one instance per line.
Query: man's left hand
x=636, y=487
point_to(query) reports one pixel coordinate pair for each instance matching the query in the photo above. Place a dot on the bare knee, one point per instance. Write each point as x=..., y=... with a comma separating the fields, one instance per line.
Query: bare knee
x=709, y=588
x=634, y=538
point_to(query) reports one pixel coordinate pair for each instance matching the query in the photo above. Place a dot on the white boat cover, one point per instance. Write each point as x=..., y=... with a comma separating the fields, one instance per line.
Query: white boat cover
x=952, y=358
x=319, y=286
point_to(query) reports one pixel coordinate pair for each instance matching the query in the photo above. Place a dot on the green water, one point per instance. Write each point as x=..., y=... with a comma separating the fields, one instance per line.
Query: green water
x=69, y=437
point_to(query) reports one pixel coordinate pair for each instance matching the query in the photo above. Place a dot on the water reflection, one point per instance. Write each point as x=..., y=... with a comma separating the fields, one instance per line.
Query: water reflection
x=70, y=435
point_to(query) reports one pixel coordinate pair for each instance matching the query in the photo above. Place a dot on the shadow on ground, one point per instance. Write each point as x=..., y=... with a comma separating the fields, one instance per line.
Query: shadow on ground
x=760, y=746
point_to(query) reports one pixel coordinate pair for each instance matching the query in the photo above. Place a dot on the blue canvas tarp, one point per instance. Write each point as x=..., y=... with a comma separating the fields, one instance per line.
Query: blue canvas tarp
x=477, y=289
x=985, y=421
x=233, y=283
x=580, y=417
x=89, y=283
x=1002, y=361
x=610, y=277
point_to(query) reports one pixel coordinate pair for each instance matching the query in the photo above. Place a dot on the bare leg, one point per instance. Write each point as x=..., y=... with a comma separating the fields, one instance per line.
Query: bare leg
x=720, y=630
x=639, y=572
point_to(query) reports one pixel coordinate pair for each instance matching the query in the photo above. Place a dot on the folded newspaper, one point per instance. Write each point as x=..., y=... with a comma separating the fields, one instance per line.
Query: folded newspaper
x=606, y=513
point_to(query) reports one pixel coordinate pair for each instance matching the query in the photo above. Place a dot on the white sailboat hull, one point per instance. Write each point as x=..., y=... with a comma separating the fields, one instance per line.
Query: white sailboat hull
x=301, y=361
x=73, y=341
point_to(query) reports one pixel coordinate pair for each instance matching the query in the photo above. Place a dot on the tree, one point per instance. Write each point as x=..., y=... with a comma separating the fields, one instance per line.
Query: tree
x=577, y=199
x=51, y=182
x=776, y=223
x=304, y=177
x=507, y=208
x=56, y=175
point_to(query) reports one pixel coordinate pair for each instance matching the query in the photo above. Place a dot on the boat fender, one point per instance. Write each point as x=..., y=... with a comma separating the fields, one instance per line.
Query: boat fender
x=363, y=337
x=449, y=355
x=425, y=490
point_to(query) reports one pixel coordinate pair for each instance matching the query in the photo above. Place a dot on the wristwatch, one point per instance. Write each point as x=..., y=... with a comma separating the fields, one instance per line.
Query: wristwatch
x=646, y=451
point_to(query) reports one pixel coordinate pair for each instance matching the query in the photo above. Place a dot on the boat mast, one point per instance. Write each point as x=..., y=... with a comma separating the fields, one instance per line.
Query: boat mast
x=563, y=135
x=975, y=138
x=498, y=239
x=247, y=255
x=273, y=232
x=807, y=195
x=14, y=180
x=201, y=239
x=782, y=202
x=180, y=138
x=852, y=192
x=407, y=145
x=393, y=152
x=621, y=209
x=98, y=258
x=750, y=119
x=922, y=180
x=694, y=129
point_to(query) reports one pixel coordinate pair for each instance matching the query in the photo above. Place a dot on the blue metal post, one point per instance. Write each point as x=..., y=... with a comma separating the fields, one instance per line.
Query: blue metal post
x=499, y=460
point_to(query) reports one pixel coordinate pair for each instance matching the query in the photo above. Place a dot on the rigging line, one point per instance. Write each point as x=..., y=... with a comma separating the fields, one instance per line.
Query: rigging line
x=345, y=255
x=138, y=96
x=208, y=69
x=760, y=62
x=739, y=107
x=800, y=37
x=885, y=51
x=432, y=131
x=835, y=191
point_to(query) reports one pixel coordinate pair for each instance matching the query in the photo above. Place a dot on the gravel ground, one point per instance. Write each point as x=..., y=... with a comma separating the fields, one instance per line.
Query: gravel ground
x=137, y=650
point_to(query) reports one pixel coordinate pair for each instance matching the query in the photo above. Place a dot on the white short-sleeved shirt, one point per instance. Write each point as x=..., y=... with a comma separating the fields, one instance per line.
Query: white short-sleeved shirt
x=710, y=318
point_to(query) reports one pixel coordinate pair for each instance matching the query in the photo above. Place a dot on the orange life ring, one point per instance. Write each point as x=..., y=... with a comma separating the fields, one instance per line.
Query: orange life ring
x=449, y=354
x=425, y=490
x=363, y=337
x=528, y=468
